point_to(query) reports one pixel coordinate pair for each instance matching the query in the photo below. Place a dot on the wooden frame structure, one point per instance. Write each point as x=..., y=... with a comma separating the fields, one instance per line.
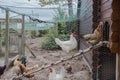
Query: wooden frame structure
x=22, y=40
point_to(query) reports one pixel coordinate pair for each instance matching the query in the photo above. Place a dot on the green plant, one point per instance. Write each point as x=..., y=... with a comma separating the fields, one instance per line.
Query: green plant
x=42, y=32
x=49, y=41
x=33, y=34
x=58, y=31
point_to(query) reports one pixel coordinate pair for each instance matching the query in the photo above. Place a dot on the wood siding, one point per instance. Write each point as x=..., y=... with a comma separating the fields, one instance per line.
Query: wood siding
x=106, y=10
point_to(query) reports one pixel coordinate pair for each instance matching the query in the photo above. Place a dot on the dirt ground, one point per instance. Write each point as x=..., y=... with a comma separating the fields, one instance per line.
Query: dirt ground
x=80, y=70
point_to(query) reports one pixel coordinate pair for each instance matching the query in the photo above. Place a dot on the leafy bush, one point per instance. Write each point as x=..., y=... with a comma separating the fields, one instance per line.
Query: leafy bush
x=33, y=34
x=42, y=33
x=58, y=31
x=49, y=41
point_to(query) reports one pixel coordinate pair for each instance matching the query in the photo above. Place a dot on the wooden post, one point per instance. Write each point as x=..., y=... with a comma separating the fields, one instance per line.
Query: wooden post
x=117, y=66
x=19, y=43
x=0, y=39
x=23, y=38
x=7, y=38
x=78, y=22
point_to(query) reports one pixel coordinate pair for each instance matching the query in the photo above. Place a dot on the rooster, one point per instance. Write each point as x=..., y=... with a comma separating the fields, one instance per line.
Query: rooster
x=19, y=68
x=67, y=45
x=2, y=69
x=54, y=76
x=96, y=36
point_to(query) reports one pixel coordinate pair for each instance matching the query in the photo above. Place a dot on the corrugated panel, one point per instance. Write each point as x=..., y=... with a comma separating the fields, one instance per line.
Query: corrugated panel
x=86, y=17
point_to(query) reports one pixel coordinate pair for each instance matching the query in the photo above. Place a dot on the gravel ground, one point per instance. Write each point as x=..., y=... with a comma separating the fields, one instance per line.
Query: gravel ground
x=80, y=70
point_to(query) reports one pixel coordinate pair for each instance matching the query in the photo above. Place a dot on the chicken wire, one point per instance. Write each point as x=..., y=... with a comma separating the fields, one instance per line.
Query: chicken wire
x=14, y=42
x=104, y=64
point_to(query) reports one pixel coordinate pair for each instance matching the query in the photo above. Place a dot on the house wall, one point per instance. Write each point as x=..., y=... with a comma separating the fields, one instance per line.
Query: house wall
x=106, y=10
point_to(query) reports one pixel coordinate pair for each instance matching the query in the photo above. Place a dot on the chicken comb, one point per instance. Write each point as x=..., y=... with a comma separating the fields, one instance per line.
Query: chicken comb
x=51, y=70
x=18, y=59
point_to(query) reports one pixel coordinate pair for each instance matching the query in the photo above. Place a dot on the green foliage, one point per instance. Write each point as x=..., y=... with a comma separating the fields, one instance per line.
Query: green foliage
x=58, y=31
x=33, y=34
x=49, y=41
x=42, y=32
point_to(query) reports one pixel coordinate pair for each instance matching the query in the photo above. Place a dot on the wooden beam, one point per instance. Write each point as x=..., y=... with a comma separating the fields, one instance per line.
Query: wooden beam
x=17, y=20
x=7, y=38
x=23, y=36
x=0, y=39
x=117, y=66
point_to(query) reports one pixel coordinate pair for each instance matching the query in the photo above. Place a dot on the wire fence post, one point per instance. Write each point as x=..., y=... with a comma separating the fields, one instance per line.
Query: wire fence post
x=7, y=38
x=22, y=36
x=78, y=23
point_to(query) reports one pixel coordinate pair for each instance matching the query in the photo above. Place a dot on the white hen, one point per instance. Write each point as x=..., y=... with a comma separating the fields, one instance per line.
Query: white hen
x=67, y=45
x=54, y=76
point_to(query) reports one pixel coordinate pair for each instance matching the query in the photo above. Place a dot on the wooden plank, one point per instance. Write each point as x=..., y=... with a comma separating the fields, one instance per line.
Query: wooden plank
x=105, y=1
x=7, y=38
x=105, y=7
x=17, y=20
x=117, y=66
x=23, y=39
x=106, y=13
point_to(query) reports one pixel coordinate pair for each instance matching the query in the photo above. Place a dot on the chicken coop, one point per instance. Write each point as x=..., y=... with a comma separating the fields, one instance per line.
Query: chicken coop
x=103, y=61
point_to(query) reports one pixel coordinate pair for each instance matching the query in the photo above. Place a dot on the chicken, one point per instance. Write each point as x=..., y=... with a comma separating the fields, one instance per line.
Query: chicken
x=19, y=68
x=68, y=68
x=54, y=76
x=2, y=69
x=7, y=66
x=96, y=36
x=67, y=45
